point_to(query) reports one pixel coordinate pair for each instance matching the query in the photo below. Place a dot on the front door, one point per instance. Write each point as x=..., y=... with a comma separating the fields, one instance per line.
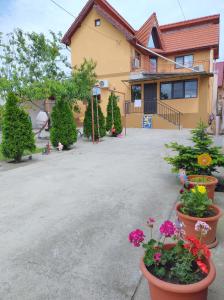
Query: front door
x=150, y=98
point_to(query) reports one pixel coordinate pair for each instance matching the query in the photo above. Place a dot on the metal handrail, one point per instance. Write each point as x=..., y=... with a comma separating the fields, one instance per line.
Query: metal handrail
x=163, y=110
x=170, y=107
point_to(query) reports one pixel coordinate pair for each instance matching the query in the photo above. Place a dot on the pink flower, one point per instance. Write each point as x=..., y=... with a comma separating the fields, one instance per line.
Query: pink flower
x=136, y=237
x=150, y=222
x=167, y=228
x=202, y=227
x=157, y=256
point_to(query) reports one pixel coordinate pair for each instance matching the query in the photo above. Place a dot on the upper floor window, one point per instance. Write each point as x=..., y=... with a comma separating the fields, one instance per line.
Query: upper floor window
x=97, y=22
x=153, y=64
x=136, y=92
x=137, y=60
x=179, y=89
x=185, y=60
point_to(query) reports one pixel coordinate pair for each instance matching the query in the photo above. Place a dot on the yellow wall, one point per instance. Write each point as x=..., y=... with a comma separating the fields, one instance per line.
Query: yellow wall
x=200, y=58
x=105, y=44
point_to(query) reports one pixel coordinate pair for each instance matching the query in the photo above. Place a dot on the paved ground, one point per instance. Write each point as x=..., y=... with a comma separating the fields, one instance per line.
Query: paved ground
x=64, y=220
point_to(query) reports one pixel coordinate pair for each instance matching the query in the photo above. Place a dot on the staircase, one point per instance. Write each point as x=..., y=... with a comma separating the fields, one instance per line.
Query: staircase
x=169, y=113
x=155, y=108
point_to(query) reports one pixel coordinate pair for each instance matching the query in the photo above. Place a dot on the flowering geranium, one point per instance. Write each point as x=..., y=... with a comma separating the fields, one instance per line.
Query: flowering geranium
x=183, y=262
x=136, y=237
x=167, y=228
x=202, y=227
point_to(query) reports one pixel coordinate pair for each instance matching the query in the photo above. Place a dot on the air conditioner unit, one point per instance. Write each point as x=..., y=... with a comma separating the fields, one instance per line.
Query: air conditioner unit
x=104, y=84
x=136, y=63
x=199, y=68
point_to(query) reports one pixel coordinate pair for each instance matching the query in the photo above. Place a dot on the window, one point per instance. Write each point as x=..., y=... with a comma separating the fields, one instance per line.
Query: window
x=97, y=22
x=186, y=60
x=136, y=92
x=191, y=89
x=166, y=91
x=179, y=89
x=153, y=41
x=153, y=64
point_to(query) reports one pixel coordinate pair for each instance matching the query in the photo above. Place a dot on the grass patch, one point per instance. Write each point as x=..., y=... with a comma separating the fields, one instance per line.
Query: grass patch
x=26, y=152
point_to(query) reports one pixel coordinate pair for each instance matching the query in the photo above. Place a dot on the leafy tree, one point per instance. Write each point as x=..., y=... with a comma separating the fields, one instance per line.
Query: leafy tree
x=63, y=125
x=17, y=135
x=187, y=157
x=35, y=67
x=100, y=120
x=113, y=121
x=1, y=115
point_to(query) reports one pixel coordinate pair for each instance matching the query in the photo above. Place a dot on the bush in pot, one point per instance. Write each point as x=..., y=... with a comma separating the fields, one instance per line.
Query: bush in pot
x=195, y=205
x=179, y=270
x=187, y=156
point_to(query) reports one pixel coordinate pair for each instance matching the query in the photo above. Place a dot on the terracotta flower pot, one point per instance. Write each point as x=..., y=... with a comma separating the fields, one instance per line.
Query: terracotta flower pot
x=189, y=222
x=162, y=290
x=210, y=183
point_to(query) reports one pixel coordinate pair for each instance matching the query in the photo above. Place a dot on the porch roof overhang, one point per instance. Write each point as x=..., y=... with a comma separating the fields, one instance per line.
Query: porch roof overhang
x=158, y=76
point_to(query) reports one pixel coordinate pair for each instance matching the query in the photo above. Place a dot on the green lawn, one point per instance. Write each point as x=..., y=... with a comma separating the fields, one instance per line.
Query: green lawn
x=37, y=150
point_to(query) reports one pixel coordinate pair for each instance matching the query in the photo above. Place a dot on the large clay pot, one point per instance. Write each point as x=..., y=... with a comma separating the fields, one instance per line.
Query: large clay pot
x=162, y=290
x=189, y=222
x=210, y=183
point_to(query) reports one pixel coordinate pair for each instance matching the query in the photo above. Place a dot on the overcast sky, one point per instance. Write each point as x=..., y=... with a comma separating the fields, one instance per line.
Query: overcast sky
x=43, y=15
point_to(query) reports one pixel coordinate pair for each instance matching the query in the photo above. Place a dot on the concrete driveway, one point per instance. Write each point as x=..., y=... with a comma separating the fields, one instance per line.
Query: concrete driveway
x=64, y=221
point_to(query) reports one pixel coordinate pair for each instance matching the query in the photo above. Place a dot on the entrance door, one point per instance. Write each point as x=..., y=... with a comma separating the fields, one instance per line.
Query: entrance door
x=150, y=98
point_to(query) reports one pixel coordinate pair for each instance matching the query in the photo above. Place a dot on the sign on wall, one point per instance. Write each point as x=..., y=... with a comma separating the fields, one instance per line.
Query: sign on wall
x=147, y=121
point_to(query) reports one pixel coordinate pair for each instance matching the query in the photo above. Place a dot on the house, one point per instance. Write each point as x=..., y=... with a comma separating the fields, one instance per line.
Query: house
x=163, y=74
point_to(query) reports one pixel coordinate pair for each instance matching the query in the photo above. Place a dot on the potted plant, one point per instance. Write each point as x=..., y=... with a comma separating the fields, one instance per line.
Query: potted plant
x=187, y=156
x=195, y=205
x=210, y=182
x=180, y=270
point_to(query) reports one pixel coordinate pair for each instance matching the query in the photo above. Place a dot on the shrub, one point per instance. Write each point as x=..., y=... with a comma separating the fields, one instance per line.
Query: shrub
x=87, y=125
x=17, y=135
x=187, y=157
x=113, y=121
x=63, y=128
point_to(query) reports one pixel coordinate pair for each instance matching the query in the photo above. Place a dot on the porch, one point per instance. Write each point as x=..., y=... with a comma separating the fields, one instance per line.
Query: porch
x=169, y=100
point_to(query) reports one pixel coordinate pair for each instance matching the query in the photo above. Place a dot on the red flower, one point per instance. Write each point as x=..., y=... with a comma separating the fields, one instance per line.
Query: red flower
x=181, y=191
x=206, y=251
x=202, y=266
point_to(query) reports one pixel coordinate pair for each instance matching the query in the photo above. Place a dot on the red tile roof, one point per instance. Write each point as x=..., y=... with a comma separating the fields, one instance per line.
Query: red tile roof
x=183, y=36
x=219, y=67
x=192, y=34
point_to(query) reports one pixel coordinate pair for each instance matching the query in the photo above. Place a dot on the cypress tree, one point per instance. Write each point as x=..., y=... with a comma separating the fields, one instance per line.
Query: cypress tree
x=113, y=123
x=87, y=125
x=17, y=134
x=63, y=128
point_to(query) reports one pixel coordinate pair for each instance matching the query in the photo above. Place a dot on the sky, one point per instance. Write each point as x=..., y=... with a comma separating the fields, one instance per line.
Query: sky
x=43, y=15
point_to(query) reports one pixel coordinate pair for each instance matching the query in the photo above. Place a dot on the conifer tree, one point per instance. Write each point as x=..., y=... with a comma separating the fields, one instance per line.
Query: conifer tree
x=113, y=122
x=100, y=120
x=17, y=135
x=63, y=128
x=187, y=156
